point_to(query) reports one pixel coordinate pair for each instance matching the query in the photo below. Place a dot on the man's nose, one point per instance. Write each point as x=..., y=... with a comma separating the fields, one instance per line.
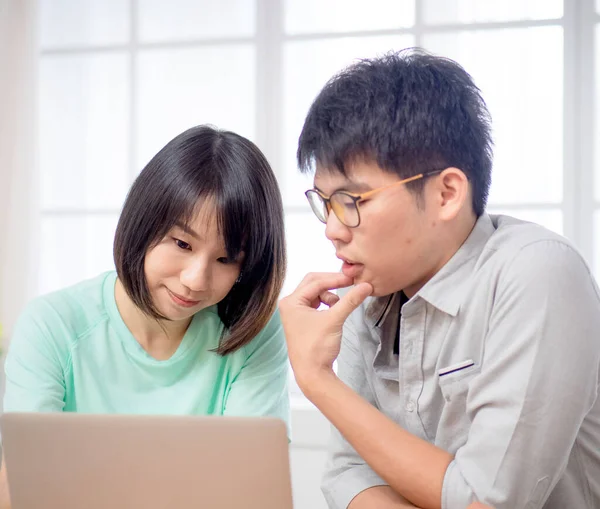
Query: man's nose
x=335, y=230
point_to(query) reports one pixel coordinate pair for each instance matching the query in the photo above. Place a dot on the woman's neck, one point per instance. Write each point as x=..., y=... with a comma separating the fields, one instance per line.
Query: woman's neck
x=160, y=338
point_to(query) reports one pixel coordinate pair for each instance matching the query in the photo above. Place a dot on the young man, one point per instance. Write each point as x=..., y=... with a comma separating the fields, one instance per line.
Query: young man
x=468, y=347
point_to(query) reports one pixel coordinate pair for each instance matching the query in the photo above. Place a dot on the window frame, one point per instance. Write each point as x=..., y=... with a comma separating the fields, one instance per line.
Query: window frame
x=579, y=23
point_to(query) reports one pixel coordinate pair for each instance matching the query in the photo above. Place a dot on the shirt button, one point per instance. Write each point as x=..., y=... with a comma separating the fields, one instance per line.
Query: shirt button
x=410, y=406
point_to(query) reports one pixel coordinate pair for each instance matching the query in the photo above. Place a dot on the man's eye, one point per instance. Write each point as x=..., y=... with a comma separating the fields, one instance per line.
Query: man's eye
x=182, y=245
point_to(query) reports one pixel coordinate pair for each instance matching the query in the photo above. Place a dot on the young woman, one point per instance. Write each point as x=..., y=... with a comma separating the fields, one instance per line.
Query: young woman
x=188, y=323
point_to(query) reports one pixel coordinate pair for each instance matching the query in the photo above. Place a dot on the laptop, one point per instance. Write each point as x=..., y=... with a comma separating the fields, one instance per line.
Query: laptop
x=76, y=461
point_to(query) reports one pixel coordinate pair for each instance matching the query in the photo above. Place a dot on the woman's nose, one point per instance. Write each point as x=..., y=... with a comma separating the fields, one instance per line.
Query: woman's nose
x=196, y=276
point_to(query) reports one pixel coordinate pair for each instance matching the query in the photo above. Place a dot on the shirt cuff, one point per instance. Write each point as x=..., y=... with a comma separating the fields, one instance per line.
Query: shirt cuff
x=456, y=493
x=340, y=490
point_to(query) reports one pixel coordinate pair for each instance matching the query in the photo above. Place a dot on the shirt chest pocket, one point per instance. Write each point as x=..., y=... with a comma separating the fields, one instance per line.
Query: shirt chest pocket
x=454, y=384
x=454, y=423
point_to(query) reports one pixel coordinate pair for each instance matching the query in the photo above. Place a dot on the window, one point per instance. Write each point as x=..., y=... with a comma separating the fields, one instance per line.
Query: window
x=596, y=131
x=119, y=78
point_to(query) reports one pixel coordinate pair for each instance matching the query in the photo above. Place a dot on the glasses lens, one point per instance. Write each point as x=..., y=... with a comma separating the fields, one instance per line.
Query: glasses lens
x=317, y=205
x=345, y=209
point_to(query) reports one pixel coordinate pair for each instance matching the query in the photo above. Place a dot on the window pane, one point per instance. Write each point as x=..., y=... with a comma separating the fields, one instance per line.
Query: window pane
x=520, y=74
x=314, y=16
x=550, y=218
x=78, y=23
x=308, y=65
x=597, y=119
x=84, y=130
x=308, y=249
x=596, y=257
x=74, y=248
x=178, y=89
x=193, y=19
x=473, y=11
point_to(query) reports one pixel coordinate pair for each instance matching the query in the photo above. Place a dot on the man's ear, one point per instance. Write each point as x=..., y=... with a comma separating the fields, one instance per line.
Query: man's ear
x=452, y=192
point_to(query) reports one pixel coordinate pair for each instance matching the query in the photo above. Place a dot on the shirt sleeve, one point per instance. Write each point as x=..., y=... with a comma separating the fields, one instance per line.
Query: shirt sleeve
x=35, y=380
x=346, y=473
x=538, y=381
x=261, y=386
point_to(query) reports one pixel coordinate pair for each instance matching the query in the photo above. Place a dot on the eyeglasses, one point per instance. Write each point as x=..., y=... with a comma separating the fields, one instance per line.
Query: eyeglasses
x=345, y=204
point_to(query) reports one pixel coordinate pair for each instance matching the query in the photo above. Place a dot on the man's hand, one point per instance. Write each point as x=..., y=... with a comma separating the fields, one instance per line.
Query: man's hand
x=411, y=466
x=314, y=337
x=4, y=494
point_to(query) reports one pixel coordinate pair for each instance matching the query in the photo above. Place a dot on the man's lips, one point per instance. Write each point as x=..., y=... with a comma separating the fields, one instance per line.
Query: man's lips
x=351, y=268
x=347, y=260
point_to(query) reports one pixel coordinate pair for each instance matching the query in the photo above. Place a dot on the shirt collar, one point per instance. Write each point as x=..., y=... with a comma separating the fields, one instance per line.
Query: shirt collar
x=448, y=287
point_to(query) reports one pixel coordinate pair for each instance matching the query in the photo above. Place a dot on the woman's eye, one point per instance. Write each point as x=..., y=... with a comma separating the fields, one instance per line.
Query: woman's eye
x=182, y=245
x=223, y=260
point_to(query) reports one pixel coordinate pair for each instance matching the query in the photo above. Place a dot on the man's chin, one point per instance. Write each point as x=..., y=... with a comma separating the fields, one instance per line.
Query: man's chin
x=363, y=279
x=382, y=286
x=379, y=290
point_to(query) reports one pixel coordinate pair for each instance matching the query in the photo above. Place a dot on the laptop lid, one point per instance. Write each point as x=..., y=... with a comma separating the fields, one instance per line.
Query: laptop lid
x=72, y=461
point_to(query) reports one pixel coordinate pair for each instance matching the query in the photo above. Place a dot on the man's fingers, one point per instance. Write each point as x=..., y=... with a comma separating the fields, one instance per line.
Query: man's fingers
x=314, y=285
x=330, y=279
x=328, y=298
x=349, y=302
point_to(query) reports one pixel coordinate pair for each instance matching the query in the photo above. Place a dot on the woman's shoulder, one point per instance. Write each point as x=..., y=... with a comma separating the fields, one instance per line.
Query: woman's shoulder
x=69, y=311
x=269, y=339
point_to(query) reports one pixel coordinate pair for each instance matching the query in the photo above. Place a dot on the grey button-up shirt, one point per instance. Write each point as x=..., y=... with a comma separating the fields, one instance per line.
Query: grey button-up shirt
x=498, y=364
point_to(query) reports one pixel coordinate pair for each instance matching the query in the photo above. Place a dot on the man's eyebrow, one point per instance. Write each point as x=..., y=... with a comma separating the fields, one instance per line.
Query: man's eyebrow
x=350, y=187
x=185, y=228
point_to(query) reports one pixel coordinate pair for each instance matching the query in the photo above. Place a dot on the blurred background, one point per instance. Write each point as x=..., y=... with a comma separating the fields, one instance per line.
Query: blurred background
x=90, y=90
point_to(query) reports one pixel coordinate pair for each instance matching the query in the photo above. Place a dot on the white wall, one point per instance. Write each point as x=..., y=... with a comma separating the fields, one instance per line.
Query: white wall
x=308, y=452
x=18, y=205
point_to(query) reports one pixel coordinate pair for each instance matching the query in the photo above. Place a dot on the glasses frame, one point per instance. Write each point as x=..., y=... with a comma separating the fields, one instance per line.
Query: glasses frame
x=357, y=198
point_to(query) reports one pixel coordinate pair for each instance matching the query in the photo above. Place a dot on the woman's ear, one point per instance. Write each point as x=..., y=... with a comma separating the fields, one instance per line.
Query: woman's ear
x=452, y=193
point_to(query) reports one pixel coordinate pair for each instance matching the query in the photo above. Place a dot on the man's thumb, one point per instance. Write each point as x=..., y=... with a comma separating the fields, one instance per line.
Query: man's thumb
x=353, y=298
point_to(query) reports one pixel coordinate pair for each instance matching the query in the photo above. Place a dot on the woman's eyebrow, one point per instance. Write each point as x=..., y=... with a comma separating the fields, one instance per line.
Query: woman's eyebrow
x=188, y=230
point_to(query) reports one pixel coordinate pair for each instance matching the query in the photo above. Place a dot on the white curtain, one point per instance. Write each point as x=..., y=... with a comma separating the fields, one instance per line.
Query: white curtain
x=18, y=147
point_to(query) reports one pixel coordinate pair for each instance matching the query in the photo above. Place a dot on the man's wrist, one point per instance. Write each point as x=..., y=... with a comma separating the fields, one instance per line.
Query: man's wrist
x=315, y=381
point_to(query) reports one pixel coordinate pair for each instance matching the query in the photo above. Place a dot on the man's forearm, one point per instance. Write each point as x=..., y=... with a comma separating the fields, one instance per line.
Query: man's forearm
x=381, y=497
x=413, y=467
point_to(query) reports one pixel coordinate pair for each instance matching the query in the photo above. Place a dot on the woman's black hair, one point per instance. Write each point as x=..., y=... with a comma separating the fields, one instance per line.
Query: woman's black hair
x=205, y=163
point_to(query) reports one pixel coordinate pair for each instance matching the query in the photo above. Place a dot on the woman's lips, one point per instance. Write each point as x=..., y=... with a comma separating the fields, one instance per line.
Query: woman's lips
x=180, y=301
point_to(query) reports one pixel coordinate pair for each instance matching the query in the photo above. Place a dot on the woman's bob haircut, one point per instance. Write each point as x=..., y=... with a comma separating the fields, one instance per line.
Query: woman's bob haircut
x=205, y=163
